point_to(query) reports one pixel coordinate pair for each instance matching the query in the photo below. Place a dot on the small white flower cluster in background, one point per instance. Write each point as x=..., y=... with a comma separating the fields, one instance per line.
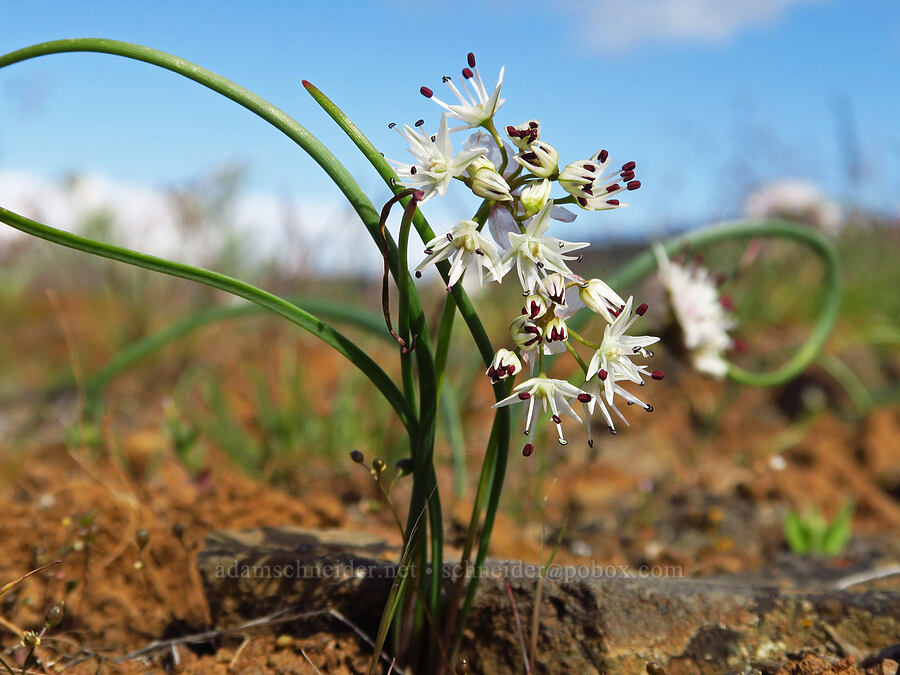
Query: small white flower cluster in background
x=700, y=313
x=795, y=200
x=515, y=176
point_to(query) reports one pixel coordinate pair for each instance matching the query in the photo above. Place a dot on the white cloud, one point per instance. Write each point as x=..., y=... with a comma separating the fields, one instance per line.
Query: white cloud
x=615, y=26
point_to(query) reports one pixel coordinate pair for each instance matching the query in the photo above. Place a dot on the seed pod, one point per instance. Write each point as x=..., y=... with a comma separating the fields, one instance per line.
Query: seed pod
x=54, y=615
x=142, y=537
x=357, y=457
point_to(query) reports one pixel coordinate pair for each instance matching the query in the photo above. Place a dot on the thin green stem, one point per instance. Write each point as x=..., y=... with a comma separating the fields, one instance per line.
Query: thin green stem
x=236, y=287
x=581, y=363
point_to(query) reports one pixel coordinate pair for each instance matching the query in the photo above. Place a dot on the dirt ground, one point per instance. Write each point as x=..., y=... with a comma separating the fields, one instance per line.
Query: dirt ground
x=698, y=484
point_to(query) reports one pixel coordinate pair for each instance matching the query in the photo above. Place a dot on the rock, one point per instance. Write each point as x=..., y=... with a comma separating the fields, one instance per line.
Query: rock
x=593, y=619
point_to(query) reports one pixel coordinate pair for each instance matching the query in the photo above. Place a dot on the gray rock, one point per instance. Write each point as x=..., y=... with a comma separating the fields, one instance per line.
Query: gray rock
x=593, y=619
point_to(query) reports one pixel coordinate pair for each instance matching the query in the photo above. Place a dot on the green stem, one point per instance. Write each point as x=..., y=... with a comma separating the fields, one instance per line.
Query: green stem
x=234, y=286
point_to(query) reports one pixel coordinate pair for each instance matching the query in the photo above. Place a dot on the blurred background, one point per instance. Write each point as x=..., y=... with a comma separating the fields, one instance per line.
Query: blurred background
x=730, y=109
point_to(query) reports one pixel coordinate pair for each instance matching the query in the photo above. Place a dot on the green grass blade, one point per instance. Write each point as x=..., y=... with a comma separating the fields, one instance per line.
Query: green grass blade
x=264, y=299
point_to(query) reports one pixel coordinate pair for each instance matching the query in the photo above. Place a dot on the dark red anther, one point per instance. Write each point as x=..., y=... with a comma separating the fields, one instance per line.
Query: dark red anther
x=613, y=187
x=556, y=419
x=524, y=396
x=602, y=156
x=492, y=373
x=418, y=274
x=582, y=201
x=584, y=398
x=533, y=125
x=527, y=450
x=420, y=122
x=413, y=170
x=392, y=125
x=629, y=166
x=512, y=131
x=657, y=374
x=426, y=92
x=627, y=175
x=589, y=167
x=468, y=74
x=602, y=374
x=727, y=302
x=642, y=309
x=612, y=202
x=634, y=185
x=470, y=58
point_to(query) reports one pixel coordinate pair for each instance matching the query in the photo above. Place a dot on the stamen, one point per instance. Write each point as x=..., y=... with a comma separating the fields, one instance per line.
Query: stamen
x=449, y=236
x=613, y=431
x=392, y=125
x=426, y=92
x=581, y=200
x=657, y=374
x=445, y=79
x=429, y=251
x=524, y=396
x=413, y=170
x=612, y=202
x=649, y=408
x=556, y=419
x=629, y=166
x=634, y=185
x=418, y=274
x=466, y=73
x=613, y=187
x=602, y=156
x=533, y=125
x=584, y=398
x=527, y=450
x=642, y=309
x=420, y=122
x=589, y=167
x=470, y=59
x=627, y=175
x=602, y=374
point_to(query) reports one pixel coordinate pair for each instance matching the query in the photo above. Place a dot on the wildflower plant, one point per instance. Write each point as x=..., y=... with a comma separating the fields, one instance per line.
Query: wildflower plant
x=585, y=323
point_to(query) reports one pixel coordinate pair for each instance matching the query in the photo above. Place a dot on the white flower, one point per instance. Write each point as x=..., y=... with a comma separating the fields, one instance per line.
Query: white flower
x=556, y=330
x=476, y=106
x=435, y=165
x=469, y=247
x=536, y=255
x=795, y=200
x=554, y=287
x=540, y=158
x=594, y=186
x=505, y=364
x=523, y=135
x=612, y=361
x=698, y=310
x=594, y=393
x=525, y=333
x=554, y=393
x=600, y=298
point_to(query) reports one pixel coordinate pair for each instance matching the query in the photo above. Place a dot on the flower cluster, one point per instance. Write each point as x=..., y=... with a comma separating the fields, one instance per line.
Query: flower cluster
x=701, y=314
x=515, y=177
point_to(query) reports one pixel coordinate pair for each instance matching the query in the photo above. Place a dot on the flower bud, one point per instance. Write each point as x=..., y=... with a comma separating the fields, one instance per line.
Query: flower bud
x=556, y=330
x=505, y=363
x=554, y=286
x=525, y=333
x=540, y=159
x=488, y=183
x=598, y=297
x=54, y=615
x=534, y=197
x=523, y=135
x=357, y=456
x=405, y=466
x=535, y=306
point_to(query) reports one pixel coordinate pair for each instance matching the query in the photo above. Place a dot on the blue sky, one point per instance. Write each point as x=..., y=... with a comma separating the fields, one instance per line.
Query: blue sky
x=709, y=97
